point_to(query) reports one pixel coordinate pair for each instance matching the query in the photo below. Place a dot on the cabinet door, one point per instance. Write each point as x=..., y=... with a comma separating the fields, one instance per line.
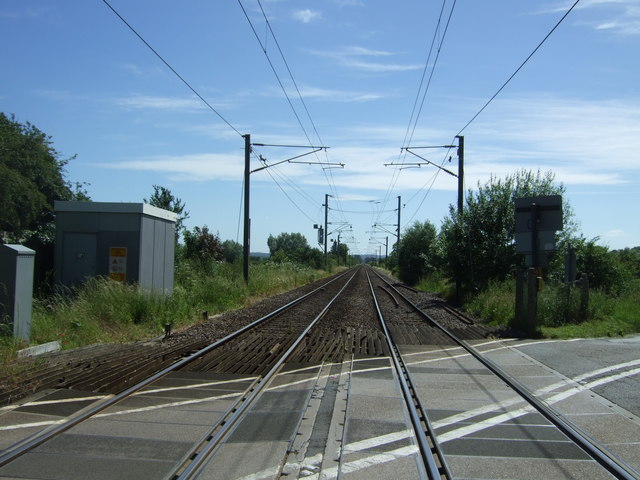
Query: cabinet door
x=79, y=257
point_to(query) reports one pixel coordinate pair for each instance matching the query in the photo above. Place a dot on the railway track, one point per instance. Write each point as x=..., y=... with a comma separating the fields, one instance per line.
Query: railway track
x=613, y=465
x=324, y=386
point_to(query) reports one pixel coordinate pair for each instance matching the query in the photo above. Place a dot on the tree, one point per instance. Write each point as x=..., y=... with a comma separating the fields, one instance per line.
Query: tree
x=287, y=242
x=295, y=248
x=340, y=251
x=232, y=250
x=478, y=246
x=608, y=271
x=202, y=245
x=32, y=178
x=163, y=198
x=417, y=252
x=630, y=258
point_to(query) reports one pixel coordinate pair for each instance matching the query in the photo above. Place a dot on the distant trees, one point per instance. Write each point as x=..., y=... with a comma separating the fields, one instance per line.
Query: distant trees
x=32, y=178
x=232, y=250
x=287, y=242
x=294, y=247
x=163, y=198
x=340, y=251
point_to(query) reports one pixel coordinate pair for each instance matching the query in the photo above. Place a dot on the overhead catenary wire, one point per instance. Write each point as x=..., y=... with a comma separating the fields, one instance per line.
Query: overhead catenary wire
x=330, y=181
x=328, y=175
x=173, y=70
x=502, y=87
x=414, y=117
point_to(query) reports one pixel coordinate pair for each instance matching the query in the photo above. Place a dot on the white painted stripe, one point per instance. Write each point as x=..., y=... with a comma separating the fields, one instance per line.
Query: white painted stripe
x=368, y=462
x=377, y=441
x=466, y=354
x=498, y=419
x=167, y=405
x=462, y=416
x=33, y=424
x=595, y=373
x=193, y=385
x=488, y=423
x=297, y=382
x=63, y=400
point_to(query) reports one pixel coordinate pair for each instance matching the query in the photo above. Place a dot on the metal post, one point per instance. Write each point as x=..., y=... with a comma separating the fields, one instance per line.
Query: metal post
x=460, y=173
x=326, y=232
x=398, y=234
x=460, y=208
x=398, y=229
x=535, y=218
x=247, y=221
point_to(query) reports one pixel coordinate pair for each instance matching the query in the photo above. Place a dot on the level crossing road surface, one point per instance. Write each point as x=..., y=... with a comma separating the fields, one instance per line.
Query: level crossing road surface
x=348, y=420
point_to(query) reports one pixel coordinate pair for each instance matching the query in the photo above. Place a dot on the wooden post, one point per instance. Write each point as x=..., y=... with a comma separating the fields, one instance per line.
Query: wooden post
x=519, y=320
x=584, y=296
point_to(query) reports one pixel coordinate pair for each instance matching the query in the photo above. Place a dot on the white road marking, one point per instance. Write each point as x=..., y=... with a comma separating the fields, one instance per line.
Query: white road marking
x=368, y=462
x=377, y=441
x=194, y=385
x=498, y=419
x=62, y=400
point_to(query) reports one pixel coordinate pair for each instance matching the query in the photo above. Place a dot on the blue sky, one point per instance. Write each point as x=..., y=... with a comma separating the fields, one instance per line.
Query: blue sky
x=79, y=74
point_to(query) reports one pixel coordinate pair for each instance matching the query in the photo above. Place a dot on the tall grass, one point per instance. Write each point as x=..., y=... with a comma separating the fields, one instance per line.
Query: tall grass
x=102, y=310
x=559, y=310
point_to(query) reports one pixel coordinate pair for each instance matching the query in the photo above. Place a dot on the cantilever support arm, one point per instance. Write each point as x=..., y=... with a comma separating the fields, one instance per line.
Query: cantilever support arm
x=431, y=163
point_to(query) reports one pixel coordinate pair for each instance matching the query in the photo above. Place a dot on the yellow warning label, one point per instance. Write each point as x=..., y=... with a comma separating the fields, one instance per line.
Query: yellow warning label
x=118, y=277
x=118, y=251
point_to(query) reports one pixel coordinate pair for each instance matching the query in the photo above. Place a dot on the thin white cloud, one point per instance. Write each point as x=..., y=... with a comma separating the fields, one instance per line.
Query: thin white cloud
x=147, y=102
x=338, y=95
x=197, y=167
x=583, y=142
x=616, y=16
x=590, y=135
x=352, y=57
x=306, y=15
x=382, y=67
x=362, y=51
x=26, y=13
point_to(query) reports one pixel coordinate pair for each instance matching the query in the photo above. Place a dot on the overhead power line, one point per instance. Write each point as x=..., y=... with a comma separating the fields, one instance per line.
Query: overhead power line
x=520, y=67
x=328, y=174
x=195, y=92
x=416, y=110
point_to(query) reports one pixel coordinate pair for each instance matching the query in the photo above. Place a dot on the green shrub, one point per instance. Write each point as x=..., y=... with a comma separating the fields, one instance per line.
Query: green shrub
x=495, y=304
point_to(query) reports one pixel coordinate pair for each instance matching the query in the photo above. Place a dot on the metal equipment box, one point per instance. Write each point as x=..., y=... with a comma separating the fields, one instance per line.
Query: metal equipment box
x=16, y=290
x=128, y=242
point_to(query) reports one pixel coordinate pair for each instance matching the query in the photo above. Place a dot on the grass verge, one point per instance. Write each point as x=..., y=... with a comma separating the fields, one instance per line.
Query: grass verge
x=558, y=314
x=103, y=311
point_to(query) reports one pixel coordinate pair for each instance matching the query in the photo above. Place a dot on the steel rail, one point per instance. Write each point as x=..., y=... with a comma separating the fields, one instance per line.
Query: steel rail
x=606, y=459
x=28, y=444
x=416, y=411
x=197, y=463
